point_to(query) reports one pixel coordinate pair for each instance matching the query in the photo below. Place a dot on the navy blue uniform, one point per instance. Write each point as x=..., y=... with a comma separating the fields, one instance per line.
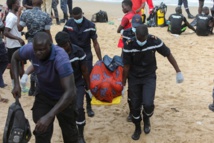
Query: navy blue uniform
x=78, y=58
x=81, y=36
x=142, y=75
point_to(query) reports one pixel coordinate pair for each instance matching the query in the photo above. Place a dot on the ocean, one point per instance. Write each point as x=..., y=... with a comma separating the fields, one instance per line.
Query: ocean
x=194, y=3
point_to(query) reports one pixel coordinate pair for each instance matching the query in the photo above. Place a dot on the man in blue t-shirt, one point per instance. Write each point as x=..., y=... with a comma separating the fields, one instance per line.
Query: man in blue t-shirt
x=56, y=92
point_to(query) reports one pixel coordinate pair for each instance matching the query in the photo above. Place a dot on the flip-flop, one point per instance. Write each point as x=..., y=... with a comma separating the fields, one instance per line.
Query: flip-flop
x=4, y=100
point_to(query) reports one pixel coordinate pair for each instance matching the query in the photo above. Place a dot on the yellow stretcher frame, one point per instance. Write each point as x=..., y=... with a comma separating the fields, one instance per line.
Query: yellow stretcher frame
x=115, y=101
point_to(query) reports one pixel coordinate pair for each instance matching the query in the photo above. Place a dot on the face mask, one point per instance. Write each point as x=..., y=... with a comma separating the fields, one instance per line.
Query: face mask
x=141, y=43
x=79, y=20
x=133, y=29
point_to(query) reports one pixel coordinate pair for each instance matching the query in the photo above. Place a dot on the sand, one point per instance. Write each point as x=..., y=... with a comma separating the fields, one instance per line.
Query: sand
x=181, y=110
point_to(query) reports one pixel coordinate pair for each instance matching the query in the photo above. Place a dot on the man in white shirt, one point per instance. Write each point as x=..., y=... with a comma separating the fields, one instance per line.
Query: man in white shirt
x=13, y=36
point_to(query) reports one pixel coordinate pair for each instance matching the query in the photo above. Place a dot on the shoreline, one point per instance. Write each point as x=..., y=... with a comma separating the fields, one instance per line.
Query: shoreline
x=191, y=3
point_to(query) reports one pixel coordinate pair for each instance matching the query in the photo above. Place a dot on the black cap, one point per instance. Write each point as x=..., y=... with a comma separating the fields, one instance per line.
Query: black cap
x=136, y=20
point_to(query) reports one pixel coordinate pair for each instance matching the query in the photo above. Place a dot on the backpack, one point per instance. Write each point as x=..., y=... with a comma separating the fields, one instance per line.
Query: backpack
x=100, y=16
x=112, y=63
x=157, y=16
x=17, y=127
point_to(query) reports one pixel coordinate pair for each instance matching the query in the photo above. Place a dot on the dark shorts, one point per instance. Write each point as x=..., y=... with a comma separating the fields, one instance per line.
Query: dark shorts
x=10, y=53
x=201, y=0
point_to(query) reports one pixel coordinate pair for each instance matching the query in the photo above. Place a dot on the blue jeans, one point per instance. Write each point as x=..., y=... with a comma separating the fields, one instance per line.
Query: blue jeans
x=63, y=5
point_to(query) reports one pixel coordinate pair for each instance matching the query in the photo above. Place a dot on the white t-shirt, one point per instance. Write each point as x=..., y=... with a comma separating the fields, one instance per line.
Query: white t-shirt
x=11, y=22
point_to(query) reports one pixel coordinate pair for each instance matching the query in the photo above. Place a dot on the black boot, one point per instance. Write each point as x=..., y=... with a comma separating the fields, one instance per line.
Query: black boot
x=57, y=21
x=146, y=122
x=190, y=16
x=90, y=112
x=81, y=134
x=65, y=19
x=137, y=132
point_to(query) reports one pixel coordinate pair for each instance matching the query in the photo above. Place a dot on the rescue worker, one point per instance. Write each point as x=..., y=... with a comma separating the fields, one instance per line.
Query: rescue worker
x=81, y=31
x=127, y=35
x=140, y=69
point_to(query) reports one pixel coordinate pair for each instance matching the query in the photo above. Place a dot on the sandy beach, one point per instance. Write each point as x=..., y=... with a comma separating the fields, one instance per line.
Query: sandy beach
x=181, y=110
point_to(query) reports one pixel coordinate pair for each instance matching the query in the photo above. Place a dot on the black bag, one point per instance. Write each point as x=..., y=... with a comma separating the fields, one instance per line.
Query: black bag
x=100, y=16
x=17, y=127
x=112, y=63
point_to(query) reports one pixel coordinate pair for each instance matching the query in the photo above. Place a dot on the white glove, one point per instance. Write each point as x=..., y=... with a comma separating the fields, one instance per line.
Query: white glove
x=89, y=93
x=179, y=77
x=23, y=80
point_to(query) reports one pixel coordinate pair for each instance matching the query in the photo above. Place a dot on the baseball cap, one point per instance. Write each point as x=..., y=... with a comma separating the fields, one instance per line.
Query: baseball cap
x=136, y=20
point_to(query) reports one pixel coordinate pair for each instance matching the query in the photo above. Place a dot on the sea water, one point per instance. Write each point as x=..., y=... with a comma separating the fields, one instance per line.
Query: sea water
x=208, y=3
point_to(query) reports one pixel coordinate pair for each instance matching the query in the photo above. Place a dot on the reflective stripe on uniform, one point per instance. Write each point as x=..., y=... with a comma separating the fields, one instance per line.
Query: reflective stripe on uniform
x=68, y=27
x=89, y=29
x=76, y=58
x=80, y=123
x=147, y=113
x=125, y=37
x=138, y=117
x=146, y=49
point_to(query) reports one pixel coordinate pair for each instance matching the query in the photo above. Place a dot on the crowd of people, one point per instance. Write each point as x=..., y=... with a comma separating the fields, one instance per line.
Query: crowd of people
x=60, y=73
